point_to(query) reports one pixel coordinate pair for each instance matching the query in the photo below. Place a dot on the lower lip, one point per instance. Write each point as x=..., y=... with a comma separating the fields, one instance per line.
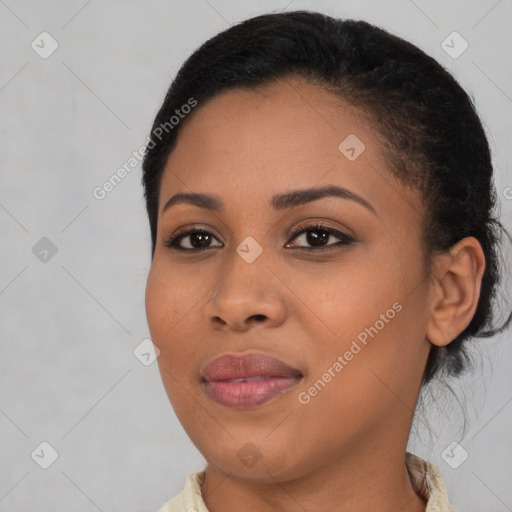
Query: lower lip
x=245, y=394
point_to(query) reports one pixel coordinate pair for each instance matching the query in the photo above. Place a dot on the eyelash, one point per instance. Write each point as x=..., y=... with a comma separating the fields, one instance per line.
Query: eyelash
x=344, y=239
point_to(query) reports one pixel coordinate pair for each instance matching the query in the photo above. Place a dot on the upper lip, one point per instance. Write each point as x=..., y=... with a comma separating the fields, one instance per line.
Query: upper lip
x=238, y=366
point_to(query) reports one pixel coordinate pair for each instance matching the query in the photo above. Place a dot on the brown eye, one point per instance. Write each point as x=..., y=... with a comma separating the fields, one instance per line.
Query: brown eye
x=318, y=236
x=195, y=239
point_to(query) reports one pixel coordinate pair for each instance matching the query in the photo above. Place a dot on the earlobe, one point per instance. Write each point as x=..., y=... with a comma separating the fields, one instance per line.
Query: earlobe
x=455, y=290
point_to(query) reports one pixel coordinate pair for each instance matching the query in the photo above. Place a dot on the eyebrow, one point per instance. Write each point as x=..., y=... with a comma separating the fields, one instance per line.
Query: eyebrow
x=279, y=202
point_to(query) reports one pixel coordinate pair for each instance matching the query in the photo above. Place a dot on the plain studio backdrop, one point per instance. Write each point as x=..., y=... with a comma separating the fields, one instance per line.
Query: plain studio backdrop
x=85, y=423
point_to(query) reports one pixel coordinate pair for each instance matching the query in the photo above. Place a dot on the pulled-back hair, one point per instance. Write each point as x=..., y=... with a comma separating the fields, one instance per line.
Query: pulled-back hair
x=431, y=135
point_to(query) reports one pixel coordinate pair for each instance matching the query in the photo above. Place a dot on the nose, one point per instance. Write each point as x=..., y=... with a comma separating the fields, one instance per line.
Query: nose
x=248, y=295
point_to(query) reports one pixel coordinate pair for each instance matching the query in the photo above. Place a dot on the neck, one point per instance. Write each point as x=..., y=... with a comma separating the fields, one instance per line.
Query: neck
x=374, y=479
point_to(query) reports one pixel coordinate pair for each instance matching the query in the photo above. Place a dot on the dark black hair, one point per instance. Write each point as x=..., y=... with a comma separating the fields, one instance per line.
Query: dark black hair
x=432, y=137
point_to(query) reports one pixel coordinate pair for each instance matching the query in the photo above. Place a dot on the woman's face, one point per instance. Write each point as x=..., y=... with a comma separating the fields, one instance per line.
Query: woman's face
x=332, y=286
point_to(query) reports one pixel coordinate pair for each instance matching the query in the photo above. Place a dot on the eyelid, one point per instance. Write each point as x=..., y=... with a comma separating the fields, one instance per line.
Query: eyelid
x=172, y=240
x=320, y=226
x=323, y=224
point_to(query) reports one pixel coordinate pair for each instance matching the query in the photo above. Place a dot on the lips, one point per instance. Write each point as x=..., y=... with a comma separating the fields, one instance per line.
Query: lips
x=243, y=381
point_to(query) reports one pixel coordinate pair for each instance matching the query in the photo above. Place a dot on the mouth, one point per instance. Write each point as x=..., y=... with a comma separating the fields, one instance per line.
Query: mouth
x=246, y=381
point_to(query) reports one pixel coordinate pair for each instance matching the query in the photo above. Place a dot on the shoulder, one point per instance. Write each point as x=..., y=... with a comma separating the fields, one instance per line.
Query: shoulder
x=428, y=483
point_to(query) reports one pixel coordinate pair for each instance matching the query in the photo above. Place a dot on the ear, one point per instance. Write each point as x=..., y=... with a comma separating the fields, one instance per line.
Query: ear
x=455, y=289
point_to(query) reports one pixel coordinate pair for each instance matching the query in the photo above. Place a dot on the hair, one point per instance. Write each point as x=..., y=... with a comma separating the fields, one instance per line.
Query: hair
x=431, y=135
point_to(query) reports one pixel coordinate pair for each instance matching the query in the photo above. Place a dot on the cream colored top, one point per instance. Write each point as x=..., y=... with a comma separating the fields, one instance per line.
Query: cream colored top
x=425, y=478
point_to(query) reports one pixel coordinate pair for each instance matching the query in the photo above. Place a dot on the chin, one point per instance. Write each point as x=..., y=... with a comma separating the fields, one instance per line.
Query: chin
x=255, y=462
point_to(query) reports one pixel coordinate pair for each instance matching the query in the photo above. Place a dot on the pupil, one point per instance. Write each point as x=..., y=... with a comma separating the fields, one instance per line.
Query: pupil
x=203, y=240
x=315, y=239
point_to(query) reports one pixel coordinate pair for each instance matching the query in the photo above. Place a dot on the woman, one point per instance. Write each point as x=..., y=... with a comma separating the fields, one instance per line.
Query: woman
x=321, y=204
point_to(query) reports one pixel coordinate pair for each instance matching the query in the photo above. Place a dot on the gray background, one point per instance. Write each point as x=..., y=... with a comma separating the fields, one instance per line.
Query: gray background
x=70, y=324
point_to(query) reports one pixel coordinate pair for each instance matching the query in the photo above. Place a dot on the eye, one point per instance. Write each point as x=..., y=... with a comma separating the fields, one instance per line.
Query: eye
x=196, y=240
x=318, y=236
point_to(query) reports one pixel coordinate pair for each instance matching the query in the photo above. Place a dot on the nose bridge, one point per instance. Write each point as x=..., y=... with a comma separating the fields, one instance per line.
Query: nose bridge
x=247, y=275
x=247, y=288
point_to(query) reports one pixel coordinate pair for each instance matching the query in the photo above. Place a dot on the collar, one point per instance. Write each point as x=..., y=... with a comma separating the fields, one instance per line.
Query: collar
x=425, y=478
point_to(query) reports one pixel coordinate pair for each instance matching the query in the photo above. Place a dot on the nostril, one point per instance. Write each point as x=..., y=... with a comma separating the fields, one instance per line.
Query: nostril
x=258, y=318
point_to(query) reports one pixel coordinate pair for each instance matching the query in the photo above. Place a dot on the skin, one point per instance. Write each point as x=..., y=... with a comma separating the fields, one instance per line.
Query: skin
x=345, y=449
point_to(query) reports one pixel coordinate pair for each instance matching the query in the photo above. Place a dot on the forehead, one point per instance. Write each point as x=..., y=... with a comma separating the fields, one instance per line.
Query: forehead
x=254, y=143
x=291, y=114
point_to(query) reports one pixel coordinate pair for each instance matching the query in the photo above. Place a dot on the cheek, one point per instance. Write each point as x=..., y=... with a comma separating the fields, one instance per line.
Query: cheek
x=376, y=302
x=158, y=303
x=168, y=295
x=165, y=305
x=173, y=307
x=341, y=300
x=166, y=311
